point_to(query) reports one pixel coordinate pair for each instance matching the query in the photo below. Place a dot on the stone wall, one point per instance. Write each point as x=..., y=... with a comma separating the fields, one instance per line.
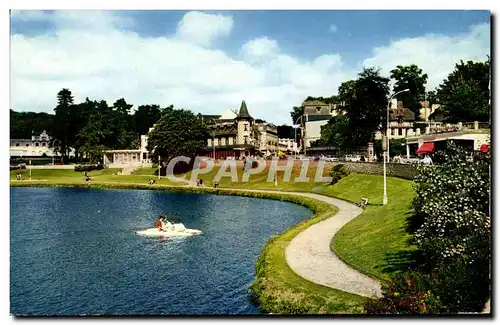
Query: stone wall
x=393, y=170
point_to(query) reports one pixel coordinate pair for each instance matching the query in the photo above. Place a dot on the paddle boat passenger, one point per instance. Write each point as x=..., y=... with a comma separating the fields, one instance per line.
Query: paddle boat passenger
x=167, y=225
x=159, y=223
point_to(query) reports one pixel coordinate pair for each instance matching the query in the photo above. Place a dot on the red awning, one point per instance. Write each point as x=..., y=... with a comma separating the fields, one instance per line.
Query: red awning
x=484, y=148
x=427, y=147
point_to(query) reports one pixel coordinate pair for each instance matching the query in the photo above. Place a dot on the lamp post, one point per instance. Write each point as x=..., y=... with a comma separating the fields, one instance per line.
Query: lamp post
x=295, y=128
x=213, y=138
x=386, y=156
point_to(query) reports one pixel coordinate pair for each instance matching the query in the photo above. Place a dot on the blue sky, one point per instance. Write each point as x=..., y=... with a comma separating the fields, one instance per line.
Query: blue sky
x=272, y=49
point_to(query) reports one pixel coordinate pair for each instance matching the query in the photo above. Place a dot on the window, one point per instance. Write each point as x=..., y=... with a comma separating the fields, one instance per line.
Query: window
x=27, y=144
x=246, y=127
x=37, y=144
x=43, y=144
x=246, y=139
x=17, y=144
x=318, y=109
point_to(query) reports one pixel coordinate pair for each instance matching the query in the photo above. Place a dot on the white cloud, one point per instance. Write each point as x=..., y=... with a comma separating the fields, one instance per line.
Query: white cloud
x=333, y=28
x=202, y=29
x=94, y=58
x=435, y=54
x=260, y=48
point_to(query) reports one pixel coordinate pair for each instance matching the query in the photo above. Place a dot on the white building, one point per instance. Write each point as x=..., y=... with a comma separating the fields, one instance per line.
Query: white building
x=288, y=145
x=37, y=146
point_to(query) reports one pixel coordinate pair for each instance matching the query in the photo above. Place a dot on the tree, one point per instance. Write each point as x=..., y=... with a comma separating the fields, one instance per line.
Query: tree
x=63, y=130
x=364, y=102
x=23, y=124
x=286, y=132
x=335, y=133
x=296, y=112
x=410, y=77
x=177, y=133
x=464, y=95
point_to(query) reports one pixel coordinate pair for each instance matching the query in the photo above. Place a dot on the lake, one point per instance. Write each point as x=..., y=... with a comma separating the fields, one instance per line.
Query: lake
x=74, y=251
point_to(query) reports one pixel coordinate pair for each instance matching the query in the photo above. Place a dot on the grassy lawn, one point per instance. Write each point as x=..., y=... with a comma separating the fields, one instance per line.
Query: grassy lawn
x=375, y=242
x=70, y=176
x=259, y=180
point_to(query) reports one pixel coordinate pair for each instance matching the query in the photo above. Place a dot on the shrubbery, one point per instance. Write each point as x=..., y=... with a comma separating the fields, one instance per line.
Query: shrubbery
x=17, y=167
x=88, y=168
x=337, y=173
x=406, y=294
x=451, y=227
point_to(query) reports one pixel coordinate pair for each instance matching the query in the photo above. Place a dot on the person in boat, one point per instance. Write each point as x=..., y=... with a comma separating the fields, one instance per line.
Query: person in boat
x=167, y=225
x=159, y=224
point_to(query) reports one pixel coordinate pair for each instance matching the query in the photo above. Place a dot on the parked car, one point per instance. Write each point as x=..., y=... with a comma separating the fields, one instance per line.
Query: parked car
x=355, y=158
x=331, y=158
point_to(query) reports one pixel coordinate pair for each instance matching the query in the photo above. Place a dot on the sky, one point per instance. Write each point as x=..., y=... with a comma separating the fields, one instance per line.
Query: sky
x=209, y=61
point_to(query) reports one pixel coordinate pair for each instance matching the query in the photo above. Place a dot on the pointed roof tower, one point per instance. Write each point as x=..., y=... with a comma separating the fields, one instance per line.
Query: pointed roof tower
x=243, y=114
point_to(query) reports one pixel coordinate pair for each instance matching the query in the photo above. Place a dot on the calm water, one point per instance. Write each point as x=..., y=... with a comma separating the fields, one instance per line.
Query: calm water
x=74, y=251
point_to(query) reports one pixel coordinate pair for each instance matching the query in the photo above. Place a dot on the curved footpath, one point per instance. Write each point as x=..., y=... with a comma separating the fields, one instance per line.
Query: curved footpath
x=309, y=254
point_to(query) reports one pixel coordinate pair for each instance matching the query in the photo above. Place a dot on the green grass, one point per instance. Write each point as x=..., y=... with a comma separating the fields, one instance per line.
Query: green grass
x=375, y=242
x=70, y=176
x=149, y=171
x=259, y=181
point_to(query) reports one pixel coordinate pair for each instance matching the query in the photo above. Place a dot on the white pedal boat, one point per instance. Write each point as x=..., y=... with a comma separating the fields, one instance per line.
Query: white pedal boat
x=176, y=230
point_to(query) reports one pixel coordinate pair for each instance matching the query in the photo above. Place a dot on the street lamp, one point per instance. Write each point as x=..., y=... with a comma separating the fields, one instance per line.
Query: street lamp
x=300, y=117
x=386, y=156
x=213, y=138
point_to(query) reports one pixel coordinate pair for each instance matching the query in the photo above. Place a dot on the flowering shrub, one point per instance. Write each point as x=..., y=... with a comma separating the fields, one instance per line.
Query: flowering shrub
x=406, y=294
x=451, y=205
x=451, y=227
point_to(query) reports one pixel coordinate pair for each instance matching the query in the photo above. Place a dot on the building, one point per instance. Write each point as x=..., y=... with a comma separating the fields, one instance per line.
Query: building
x=129, y=157
x=267, y=138
x=316, y=114
x=240, y=135
x=289, y=145
x=401, y=122
x=38, y=146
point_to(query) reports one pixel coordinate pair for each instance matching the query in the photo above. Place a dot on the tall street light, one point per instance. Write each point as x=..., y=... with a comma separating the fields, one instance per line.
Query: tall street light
x=386, y=156
x=294, y=124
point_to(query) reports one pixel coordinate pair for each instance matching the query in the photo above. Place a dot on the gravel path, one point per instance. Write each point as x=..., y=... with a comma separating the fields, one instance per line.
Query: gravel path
x=309, y=254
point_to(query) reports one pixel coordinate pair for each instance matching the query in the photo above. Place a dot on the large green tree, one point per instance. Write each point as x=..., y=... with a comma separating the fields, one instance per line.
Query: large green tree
x=464, y=95
x=63, y=129
x=410, y=77
x=296, y=112
x=364, y=102
x=335, y=133
x=23, y=124
x=144, y=118
x=178, y=133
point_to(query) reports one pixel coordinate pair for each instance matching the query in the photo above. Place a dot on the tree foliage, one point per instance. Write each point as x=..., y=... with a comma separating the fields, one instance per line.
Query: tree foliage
x=178, y=133
x=23, y=124
x=364, y=102
x=297, y=111
x=410, y=77
x=335, y=133
x=464, y=95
